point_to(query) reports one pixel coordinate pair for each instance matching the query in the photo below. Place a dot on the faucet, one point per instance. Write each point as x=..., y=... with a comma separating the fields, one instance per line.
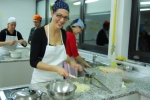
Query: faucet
x=94, y=59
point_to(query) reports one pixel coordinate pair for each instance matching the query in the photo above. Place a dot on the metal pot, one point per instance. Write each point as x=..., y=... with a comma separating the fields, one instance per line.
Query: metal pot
x=61, y=90
x=27, y=94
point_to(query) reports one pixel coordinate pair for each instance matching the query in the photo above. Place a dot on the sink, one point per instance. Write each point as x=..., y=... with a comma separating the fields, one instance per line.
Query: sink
x=135, y=74
x=96, y=64
x=82, y=73
x=128, y=77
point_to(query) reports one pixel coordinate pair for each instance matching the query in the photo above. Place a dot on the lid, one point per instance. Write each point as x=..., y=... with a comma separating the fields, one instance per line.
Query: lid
x=24, y=93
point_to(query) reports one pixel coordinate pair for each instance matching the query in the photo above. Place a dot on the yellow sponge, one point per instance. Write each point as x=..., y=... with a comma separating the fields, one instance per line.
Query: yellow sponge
x=120, y=58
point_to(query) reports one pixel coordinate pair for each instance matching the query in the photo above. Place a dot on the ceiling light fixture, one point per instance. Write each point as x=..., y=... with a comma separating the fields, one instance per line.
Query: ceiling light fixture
x=145, y=9
x=144, y=3
x=77, y=3
x=87, y=1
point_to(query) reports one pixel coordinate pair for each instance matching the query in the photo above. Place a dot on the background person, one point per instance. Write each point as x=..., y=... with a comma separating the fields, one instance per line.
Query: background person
x=9, y=38
x=73, y=29
x=103, y=34
x=144, y=41
x=37, y=24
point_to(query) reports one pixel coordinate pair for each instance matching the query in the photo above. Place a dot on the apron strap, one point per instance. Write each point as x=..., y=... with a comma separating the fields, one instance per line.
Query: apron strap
x=16, y=35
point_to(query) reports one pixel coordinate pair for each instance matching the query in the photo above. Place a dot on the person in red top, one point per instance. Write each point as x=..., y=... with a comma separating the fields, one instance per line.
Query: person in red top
x=73, y=29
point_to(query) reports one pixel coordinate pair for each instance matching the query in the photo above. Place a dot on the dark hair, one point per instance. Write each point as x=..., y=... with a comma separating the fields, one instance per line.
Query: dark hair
x=68, y=28
x=142, y=34
x=105, y=25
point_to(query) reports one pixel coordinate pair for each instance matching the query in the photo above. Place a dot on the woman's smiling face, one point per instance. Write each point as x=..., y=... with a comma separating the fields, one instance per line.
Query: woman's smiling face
x=60, y=17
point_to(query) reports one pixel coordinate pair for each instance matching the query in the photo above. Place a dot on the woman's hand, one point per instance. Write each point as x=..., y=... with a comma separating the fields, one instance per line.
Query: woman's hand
x=11, y=42
x=22, y=42
x=86, y=65
x=62, y=72
x=76, y=66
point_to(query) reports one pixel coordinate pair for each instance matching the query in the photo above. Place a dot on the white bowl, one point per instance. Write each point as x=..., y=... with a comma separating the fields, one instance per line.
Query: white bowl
x=16, y=53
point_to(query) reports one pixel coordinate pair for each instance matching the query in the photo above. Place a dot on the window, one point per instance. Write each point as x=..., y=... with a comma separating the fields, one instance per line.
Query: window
x=97, y=19
x=139, y=44
x=74, y=13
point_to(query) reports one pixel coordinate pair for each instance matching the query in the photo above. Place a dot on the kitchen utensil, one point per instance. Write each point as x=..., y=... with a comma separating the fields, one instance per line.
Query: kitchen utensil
x=93, y=74
x=72, y=76
x=85, y=71
x=88, y=79
x=102, y=85
x=26, y=94
x=61, y=90
x=15, y=53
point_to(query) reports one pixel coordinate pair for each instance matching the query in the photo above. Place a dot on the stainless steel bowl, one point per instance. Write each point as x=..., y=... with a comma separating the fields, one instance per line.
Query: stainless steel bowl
x=61, y=90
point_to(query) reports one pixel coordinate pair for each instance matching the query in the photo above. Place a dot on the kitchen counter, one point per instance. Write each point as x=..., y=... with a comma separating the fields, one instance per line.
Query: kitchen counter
x=7, y=59
x=24, y=57
x=139, y=85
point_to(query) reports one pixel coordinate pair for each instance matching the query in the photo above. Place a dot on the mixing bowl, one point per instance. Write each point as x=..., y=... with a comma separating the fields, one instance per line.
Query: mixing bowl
x=61, y=90
x=16, y=53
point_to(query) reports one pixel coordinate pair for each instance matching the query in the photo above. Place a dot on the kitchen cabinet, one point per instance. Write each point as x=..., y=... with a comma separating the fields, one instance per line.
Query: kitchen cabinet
x=135, y=96
x=144, y=98
x=15, y=73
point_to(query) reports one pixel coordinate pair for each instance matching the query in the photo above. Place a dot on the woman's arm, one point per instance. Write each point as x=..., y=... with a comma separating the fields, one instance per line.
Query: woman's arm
x=7, y=43
x=73, y=64
x=61, y=71
x=21, y=40
x=71, y=41
x=80, y=59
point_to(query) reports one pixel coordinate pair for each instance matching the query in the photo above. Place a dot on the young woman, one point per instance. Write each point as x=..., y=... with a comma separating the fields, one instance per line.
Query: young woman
x=9, y=38
x=48, y=47
x=73, y=29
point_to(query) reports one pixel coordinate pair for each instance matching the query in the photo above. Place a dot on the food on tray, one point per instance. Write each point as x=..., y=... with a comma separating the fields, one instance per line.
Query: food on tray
x=109, y=69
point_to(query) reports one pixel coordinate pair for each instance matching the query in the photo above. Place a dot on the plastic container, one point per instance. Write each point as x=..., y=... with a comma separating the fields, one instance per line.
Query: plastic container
x=15, y=53
x=113, y=61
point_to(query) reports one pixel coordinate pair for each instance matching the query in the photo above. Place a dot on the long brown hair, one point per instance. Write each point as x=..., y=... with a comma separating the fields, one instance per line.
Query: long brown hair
x=68, y=28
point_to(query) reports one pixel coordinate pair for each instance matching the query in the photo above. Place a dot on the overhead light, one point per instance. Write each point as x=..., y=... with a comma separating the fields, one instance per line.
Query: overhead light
x=145, y=9
x=144, y=3
x=77, y=3
x=87, y=1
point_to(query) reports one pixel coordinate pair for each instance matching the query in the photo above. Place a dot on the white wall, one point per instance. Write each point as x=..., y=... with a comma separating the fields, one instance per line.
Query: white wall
x=41, y=11
x=22, y=10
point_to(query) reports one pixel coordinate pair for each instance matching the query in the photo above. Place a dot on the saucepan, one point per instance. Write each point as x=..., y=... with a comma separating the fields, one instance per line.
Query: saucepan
x=27, y=94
